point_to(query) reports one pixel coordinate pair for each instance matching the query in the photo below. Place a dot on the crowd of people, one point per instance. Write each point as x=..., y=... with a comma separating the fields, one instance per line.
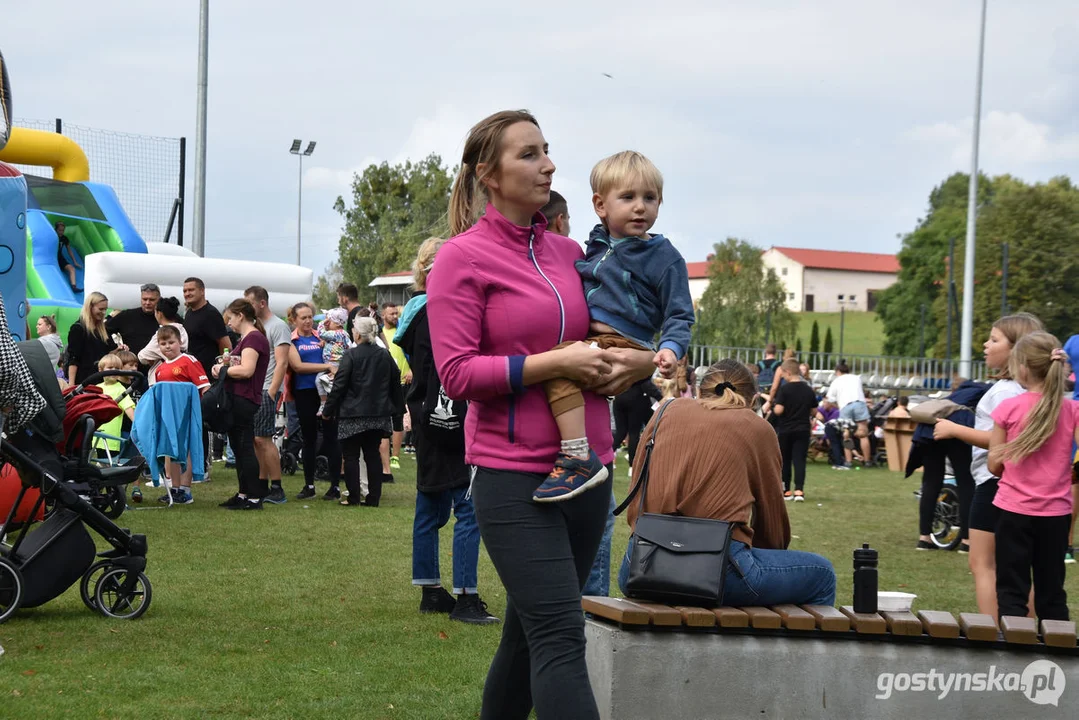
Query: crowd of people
x=503, y=362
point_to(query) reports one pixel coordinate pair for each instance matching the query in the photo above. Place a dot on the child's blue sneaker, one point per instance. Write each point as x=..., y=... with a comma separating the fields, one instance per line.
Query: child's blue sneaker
x=183, y=497
x=571, y=476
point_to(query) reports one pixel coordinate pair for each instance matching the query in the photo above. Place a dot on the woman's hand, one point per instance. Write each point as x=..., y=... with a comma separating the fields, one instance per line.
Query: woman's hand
x=216, y=370
x=627, y=367
x=585, y=365
x=943, y=429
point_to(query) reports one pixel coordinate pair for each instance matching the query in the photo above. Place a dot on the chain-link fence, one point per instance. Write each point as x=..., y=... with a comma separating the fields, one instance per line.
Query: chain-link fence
x=145, y=171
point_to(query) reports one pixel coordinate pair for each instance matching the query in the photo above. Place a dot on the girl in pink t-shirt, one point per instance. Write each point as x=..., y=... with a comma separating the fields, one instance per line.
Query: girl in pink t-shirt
x=1030, y=450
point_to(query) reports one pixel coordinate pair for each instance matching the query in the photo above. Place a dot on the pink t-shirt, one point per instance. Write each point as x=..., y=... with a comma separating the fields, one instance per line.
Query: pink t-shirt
x=1040, y=484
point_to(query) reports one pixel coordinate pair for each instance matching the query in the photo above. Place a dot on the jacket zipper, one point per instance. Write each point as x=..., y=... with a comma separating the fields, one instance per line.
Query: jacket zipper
x=561, y=327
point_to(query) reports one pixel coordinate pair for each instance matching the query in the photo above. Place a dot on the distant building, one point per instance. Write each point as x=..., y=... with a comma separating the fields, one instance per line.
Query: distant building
x=698, y=279
x=826, y=280
x=393, y=288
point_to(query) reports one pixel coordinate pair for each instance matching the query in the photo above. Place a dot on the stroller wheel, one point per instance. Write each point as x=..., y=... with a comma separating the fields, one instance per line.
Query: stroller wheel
x=113, y=503
x=89, y=582
x=322, y=468
x=288, y=463
x=10, y=588
x=119, y=595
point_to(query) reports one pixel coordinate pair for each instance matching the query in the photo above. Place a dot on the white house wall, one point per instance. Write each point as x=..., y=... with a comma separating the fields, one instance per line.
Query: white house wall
x=827, y=285
x=791, y=274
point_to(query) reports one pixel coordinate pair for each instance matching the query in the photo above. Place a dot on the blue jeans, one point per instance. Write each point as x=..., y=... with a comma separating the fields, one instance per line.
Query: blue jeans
x=230, y=457
x=432, y=514
x=599, y=578
x=769, y=577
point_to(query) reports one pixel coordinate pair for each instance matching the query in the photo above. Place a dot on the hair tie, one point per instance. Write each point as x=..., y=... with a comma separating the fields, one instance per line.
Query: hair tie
x=1057, y=355
x=722, y=387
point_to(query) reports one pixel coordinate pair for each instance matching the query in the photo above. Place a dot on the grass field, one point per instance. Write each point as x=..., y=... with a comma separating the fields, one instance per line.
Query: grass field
x=863, y=333
x=306, y=609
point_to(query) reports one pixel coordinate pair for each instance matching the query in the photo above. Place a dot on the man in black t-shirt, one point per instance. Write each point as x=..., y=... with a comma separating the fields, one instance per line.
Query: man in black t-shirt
x=207, y=336
x=137, y=325
x=348, y=297
x=795, y=403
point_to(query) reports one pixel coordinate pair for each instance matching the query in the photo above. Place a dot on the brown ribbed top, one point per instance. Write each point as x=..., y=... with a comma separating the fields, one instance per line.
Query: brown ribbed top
x=722, y=464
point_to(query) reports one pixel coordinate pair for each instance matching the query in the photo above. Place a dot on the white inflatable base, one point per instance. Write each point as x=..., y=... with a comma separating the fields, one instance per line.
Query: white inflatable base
x=119, y=275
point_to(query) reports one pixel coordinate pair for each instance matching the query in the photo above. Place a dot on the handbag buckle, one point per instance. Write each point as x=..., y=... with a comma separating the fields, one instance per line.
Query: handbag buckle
x=676, y=544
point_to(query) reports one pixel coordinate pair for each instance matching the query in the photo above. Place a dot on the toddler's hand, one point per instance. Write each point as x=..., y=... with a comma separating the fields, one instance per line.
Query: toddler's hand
x=666, y=362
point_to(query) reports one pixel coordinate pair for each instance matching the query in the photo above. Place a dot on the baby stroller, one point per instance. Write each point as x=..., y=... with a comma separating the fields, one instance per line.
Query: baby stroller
x=42, y=562
x=100, y=481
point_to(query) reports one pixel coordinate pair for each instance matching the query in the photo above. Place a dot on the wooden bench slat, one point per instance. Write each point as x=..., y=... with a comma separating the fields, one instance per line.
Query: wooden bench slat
x=939, y=624
x=661, y=615
x=1058, y=633
x=979, y=627
x=731, y=617
x=1019, y=630
x=903, y=623
x=865, y=623
x=761, y=618
x=696, y=617
x=795, y=618
x=828, y=618
x=616, y=609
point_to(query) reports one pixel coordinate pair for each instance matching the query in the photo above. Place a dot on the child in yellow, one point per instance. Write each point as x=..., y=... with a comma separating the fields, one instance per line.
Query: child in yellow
x=112, y=387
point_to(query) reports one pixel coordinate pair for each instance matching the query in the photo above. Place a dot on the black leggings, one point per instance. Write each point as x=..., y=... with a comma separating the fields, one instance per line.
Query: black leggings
x=242, y=438
x=307, y=404
x=795, y=447
x=933, y=457
x=632, y=410
x=368, y=443
x=1029, y=545
x=543, y=553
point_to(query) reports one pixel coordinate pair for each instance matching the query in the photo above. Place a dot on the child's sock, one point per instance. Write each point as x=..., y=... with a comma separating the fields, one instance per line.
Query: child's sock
x=577, y=447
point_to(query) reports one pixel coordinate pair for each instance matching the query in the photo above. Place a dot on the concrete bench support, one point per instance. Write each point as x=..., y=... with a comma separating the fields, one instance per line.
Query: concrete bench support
x=649, y=674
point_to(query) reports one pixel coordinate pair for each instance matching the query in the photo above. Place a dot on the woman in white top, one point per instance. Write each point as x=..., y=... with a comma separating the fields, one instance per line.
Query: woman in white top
x=983, y=514
x=167, y=313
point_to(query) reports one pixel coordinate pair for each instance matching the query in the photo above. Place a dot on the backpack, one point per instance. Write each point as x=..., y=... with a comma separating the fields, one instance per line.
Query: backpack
x=768, y=372
x=217, y=406
x=443, y=418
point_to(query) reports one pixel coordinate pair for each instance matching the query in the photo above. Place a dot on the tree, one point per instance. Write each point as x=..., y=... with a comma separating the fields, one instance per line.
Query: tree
x=923, y=270
x=743, y=296
x=325, y=291
x=814, y=338
x=798, y=346
x=828, y=341
x=393, y=209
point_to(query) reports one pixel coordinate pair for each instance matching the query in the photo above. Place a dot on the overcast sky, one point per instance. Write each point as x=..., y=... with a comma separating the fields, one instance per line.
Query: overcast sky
x=819, y=124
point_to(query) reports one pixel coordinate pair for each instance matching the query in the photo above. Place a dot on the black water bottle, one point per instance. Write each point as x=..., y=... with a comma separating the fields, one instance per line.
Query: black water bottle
x=865, y=579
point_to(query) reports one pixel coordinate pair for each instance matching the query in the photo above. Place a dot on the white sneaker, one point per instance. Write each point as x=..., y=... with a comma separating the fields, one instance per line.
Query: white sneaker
x=629, y=471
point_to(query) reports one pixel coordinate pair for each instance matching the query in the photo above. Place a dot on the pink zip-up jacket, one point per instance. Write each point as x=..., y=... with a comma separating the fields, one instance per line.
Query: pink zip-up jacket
x=498, y=293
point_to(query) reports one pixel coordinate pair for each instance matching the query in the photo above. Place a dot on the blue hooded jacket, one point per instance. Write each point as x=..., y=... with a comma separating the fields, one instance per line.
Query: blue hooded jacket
x=638, y=287
x=168, y=423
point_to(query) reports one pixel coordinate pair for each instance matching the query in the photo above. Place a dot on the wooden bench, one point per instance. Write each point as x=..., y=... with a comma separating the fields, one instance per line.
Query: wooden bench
x=649, y=660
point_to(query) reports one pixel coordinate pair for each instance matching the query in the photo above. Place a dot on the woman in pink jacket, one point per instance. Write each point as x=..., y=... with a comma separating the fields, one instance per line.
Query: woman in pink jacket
x=502, y=293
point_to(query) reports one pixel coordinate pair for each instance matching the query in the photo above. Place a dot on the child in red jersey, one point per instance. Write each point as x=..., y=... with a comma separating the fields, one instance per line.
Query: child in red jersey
x=178, y=366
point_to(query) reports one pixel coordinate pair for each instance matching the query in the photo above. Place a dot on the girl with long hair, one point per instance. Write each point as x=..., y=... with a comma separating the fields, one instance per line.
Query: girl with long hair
x=1030, y=449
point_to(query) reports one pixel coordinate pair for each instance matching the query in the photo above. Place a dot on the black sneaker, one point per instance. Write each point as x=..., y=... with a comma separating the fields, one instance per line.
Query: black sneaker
x=276, y=495
x=247, y=504
x=925, y=545
x=387, y=478
x=470, y=609
x=334, y=493
x=437, y=600
x=231, y=502
x=307, y=492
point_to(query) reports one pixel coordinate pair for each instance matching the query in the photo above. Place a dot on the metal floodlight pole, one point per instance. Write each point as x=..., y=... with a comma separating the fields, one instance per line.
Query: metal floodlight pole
x=967, y=327
x=842, y=324
x=1004, y=280
x=198, y=242
x=295, y=150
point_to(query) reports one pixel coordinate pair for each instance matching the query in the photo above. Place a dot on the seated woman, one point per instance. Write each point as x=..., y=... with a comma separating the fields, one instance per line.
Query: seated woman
x=737, y=480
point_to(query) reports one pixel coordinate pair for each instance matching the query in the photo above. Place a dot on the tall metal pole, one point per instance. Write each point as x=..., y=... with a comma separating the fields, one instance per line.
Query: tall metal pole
x=967, y=327
x=921, y=342
x=950, y=291
x=299, y=209
x=198, y=242
x=1004, y=280
x=842, y=323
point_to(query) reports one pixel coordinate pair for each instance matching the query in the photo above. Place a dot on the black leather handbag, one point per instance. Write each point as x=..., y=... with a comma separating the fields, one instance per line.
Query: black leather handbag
x=675, y=559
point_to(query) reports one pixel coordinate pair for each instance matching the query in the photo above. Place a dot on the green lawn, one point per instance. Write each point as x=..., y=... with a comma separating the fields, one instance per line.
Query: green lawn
x=863, y=333
x=305, y=610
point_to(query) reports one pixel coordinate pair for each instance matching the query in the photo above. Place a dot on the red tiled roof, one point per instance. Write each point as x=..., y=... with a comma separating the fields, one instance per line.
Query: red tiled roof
x=842, y=260
x=403, y=273
x=698, y=270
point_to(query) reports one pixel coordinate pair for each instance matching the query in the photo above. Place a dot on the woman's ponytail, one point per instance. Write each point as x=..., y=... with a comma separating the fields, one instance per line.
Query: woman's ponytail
x=462, y=212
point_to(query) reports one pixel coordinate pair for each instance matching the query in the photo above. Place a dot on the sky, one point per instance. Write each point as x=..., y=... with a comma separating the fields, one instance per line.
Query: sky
x=818, y=124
